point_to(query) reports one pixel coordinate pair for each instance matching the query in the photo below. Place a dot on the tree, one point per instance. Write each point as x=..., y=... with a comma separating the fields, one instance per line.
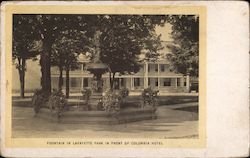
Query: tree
x=123, y=39
x=185, y=48
x=66, y=49
x=24, y=47
x=48, y=28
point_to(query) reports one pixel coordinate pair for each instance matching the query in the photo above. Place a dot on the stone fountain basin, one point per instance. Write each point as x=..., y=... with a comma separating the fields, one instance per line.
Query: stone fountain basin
x=99, y=117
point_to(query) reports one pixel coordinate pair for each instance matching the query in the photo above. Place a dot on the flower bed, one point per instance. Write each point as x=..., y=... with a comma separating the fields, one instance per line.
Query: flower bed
x=55, y=108
x=55, y=102
x=149, y=97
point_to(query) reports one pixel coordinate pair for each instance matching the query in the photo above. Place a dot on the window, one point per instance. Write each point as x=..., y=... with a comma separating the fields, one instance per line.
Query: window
x=149, y=81
x=116, y=83
x=156, y=68
x=185, y=81
x=162, y=67
x=85, y=82
x=73, y=82
x=167, y=82
x=178, y=82
x=137, y=82
x=156, y=82
x=122, y=82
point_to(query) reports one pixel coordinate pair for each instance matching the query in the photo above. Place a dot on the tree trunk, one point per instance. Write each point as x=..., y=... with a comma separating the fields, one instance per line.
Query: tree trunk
x=45, y=66
x=67, y=82
x=21, y=70
x=60, y=82
x=111, y=80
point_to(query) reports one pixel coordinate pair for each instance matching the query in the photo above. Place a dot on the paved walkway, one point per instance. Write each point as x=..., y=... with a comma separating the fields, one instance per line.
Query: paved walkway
x=173, y=122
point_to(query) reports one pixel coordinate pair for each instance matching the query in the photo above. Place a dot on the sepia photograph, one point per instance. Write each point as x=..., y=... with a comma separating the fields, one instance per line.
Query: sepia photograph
x=105, y=75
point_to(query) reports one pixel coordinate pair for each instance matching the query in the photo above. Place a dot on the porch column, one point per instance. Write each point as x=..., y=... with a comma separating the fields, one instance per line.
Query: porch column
x=176, y=82
x=107, y=83
x=146, y=75
x=188, y=83
x=158, y=69
x=82, y=81
x=132, y=83
x=82, y=68
x=120, y=82
x=159, y=83
x=159, y=80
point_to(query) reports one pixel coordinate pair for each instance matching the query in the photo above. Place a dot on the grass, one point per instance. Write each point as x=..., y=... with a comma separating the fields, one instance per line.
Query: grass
x=22, y=103
x=168, y=100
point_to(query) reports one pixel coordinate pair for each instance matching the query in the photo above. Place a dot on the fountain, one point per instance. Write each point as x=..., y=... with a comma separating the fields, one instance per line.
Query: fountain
x=96, y=115
x=97, y=68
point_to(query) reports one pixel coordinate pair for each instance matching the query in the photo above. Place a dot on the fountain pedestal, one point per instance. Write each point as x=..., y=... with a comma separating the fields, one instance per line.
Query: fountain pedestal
x=95, y=101
x=97, y=68
x=97, y=84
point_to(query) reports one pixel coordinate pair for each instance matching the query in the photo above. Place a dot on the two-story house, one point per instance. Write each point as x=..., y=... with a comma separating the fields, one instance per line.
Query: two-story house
x=155, y=75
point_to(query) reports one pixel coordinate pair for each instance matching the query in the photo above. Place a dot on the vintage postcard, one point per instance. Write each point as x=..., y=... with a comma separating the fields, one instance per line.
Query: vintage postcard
x=81, y=77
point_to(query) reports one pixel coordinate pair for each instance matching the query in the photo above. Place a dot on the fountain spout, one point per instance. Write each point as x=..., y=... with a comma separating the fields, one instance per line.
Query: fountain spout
x=96, y=67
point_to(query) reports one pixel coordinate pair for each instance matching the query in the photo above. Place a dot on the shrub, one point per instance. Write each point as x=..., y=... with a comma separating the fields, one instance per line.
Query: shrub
x=111, y=101
x=149, y=97
x=57, y=102
x=39, y=99
x=124, y=92
x=100, y=105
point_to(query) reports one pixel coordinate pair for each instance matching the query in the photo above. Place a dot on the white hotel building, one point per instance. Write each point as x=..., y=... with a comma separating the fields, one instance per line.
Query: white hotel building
x=156, y=75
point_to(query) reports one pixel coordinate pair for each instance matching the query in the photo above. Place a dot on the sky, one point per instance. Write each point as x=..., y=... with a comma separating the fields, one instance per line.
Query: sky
x=165, y=32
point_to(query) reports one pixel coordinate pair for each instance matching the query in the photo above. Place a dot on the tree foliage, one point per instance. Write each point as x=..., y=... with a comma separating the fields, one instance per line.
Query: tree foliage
x=125, y=37
x=67, y=47
x=185, y=47
x=24, y=46
x=48, y=28
x=23, y=38
x=123, y=40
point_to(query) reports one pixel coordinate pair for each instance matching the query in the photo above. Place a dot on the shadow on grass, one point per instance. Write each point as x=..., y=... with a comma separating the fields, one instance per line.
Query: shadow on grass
x=189, y=109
